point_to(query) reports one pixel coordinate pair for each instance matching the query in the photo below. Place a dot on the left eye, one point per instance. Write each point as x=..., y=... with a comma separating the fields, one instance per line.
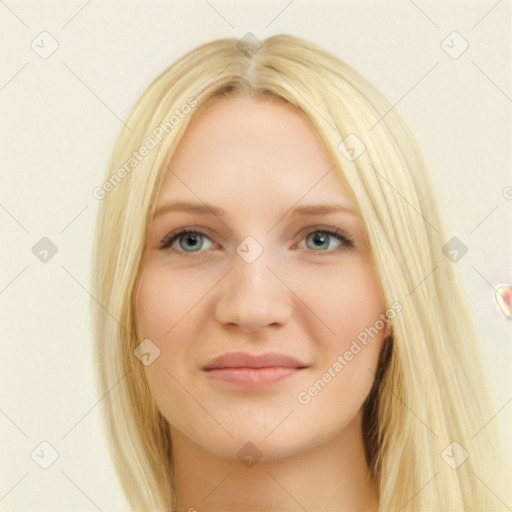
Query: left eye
x=192, y=240
x=322, y=237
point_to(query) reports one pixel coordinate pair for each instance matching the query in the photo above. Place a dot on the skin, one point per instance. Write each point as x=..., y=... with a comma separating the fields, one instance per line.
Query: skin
x=309, y=299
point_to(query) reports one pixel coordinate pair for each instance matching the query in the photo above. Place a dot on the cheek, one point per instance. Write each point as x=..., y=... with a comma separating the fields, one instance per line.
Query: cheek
x=355, y=312
x=167, y=299
x=347, y=302
x=161, y=314
x=158, y=309
x=168, y=311
x=157, y=299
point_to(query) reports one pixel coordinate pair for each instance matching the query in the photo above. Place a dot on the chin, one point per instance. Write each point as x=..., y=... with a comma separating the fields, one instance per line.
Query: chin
x=250, y=441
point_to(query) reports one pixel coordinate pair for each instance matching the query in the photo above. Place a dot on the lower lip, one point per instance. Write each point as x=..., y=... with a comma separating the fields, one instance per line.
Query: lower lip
x=253, y=377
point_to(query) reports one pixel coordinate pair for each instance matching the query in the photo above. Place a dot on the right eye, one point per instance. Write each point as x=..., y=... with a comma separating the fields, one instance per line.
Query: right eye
x=189, y=240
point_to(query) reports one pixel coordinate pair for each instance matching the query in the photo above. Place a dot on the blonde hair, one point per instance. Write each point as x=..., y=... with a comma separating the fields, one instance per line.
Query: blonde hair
x=430, y=389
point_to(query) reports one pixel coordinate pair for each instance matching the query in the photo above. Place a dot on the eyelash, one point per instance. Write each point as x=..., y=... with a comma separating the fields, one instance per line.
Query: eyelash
x=167, y=242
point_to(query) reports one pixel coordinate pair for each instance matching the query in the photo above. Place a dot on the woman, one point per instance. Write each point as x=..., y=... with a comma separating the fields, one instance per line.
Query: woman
x=277, y=326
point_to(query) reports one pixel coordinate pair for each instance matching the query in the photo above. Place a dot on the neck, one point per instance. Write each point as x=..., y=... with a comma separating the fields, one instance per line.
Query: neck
x=331, y=476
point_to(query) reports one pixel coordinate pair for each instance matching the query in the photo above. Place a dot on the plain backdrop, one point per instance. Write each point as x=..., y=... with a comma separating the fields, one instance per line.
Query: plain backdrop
x=59, y=118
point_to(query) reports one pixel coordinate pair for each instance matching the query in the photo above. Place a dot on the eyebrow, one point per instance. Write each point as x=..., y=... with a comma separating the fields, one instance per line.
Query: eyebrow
x=205, y=209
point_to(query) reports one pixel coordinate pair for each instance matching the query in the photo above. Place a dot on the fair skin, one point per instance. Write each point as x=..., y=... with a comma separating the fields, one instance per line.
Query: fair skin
x=304, y=296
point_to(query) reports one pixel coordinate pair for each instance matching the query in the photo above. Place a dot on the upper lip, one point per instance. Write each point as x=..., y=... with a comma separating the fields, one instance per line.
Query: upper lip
x=246, y=360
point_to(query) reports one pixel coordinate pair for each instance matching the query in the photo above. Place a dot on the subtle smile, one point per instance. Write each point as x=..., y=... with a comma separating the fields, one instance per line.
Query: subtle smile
x=250, y=371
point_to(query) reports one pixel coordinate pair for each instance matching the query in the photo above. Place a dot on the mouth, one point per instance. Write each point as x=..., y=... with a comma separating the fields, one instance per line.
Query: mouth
x=246, y=370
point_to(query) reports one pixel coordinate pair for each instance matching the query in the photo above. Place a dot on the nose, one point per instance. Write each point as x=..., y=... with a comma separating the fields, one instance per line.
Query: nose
x=252, y=297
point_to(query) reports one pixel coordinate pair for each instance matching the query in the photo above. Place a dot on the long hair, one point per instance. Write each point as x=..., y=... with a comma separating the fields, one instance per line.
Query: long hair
x=430, y=389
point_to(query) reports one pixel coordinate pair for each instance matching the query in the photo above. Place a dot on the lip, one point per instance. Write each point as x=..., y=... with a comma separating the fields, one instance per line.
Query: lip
x=247, y=370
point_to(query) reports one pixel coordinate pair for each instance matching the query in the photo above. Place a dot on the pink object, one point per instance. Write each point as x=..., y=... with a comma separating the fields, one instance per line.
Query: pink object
x=502, y=296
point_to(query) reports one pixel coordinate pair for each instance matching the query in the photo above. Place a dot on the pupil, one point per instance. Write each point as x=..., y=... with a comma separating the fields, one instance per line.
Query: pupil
x=192, y=239
x=319, y=238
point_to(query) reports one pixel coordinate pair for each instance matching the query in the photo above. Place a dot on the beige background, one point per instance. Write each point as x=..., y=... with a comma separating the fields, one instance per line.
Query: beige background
x=59, y=119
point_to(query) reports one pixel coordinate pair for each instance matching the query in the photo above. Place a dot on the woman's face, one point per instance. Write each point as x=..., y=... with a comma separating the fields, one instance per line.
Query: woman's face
x=262, y=276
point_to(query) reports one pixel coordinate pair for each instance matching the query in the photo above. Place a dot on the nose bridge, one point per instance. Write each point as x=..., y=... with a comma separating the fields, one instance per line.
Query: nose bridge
x=251, y=275
x=253, y=297
x=250, y=271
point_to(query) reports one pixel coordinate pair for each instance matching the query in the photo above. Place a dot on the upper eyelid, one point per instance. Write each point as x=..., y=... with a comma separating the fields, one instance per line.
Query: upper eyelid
x=176, y=232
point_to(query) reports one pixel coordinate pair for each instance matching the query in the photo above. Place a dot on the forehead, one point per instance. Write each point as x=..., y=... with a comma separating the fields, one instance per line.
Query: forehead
x=242, y=150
